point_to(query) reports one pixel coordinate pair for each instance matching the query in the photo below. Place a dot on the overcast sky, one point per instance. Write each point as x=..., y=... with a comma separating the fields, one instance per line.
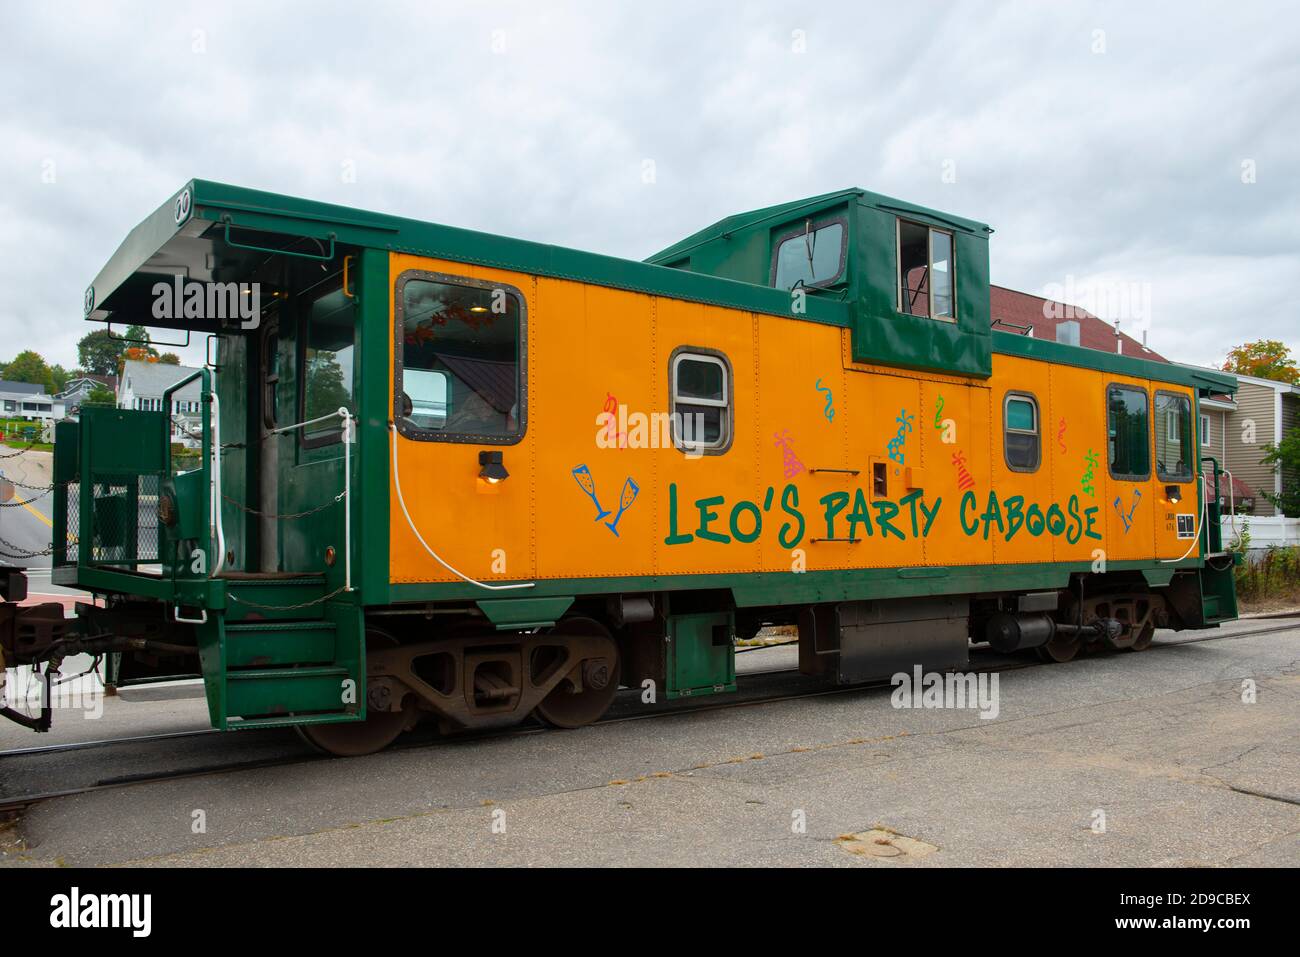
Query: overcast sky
x=1110, y=146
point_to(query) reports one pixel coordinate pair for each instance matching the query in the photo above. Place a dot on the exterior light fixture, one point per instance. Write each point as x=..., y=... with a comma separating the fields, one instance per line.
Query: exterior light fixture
x=1174, y=494
x=478, y=308
x=490, y=467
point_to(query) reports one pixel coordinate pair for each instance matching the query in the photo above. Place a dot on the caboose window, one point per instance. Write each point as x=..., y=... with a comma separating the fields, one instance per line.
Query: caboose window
x=925, y=271
x=1173, y=437
x=700, y=410
x=327, y=364
x=1128, y=445
x=459, y=359
x=1021, y=443
x=812, y=255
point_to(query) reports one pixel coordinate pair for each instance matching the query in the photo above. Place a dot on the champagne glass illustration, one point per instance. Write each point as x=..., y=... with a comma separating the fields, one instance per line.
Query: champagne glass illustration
x=582, y=475
x=630, y=490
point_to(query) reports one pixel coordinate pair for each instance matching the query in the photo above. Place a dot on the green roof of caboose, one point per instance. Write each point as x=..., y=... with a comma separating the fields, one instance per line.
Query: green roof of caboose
x=784, y=212
x=214, y=204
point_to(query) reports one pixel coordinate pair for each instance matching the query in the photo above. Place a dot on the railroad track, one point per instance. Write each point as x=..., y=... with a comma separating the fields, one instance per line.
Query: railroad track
x=420, y=739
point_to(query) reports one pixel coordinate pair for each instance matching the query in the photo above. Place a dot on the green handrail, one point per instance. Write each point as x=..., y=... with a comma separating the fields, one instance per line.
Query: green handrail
x=280, y=252
x=205, y=404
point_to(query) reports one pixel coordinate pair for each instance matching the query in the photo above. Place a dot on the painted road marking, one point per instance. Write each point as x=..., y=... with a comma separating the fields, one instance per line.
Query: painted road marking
x=32, y=508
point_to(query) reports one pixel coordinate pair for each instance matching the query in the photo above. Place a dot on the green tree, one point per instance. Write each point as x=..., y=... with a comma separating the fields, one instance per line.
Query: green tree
x=1265, y=359
x=60, y=376
x=169, y=359
x=1286, y=455
x=100, y=395
x=100, y=353
x=28, y=366
x=324, y=390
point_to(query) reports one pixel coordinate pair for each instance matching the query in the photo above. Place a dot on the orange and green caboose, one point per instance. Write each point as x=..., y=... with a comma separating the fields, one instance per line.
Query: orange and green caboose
x=450, y=473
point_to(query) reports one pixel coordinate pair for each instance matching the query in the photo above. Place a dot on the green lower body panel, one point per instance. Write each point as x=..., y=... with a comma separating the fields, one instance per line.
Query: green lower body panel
x=1219, y=593
x=258, y=645
x=701, y=657
x=274, y=671
x=282, y=691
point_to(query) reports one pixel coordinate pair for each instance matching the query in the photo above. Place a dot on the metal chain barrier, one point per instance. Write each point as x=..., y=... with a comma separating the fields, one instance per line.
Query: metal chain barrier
x=306, y=604
x=288, y=516
x=22, y=553
x=34, y=488
x=17, y=452
x=179, y=425
x=34, y=498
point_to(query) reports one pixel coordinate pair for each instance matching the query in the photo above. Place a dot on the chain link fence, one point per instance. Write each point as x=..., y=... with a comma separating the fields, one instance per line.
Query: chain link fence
x=124, y=521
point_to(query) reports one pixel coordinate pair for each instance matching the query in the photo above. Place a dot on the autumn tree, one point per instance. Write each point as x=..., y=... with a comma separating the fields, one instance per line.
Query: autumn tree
x=28, y=366
x=1264, y=359
x=137, y=354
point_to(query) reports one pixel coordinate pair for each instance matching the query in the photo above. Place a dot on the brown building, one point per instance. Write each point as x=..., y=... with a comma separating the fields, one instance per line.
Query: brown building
x=1013, y=311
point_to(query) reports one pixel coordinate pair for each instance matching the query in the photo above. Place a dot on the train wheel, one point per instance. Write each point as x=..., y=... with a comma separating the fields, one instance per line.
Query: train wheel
x=1060, y=649
x=567, y=706
x=1143, y=641
x=351, y=739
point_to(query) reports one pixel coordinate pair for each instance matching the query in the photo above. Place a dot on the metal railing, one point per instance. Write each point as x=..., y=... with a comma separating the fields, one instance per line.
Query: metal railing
x=211, y=454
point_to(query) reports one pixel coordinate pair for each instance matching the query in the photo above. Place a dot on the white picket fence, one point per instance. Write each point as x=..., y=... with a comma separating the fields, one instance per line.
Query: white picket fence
x=1265, y=530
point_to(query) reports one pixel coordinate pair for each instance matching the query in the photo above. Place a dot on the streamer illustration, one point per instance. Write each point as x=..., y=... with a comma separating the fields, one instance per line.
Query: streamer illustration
x=829, y=411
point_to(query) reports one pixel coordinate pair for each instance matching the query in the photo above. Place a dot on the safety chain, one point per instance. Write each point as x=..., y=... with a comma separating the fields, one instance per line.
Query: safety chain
x=35, y=488
x=178, y=424
x=42, y=489
x=22, y=553
x=305, y=604
x=17, y=452
x=34, y=498
x=292, y=515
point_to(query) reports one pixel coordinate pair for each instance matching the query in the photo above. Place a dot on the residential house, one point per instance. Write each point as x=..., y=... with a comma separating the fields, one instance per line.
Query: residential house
x=1266, y=410
x=79, y=388
x=1235, y=429
x=28, y=401
x=141, y=386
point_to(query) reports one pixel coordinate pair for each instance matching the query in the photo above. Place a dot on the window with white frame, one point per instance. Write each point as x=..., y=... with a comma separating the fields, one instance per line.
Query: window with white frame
x=1205, y=431
x=1021, y=442
x=700, y=409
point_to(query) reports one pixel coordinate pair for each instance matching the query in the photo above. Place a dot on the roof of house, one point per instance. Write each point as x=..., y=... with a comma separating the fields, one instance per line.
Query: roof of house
x=151, y=379
x=1044, y=315
x=1240, y=490
x=20, y=388
x=88, y=381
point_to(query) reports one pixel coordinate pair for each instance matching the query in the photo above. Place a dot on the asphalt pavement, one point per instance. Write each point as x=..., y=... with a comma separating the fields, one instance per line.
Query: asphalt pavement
x=1185, y=754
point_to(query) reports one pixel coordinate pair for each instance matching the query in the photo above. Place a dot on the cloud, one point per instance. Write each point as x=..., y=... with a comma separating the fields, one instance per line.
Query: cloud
x=1112, y=155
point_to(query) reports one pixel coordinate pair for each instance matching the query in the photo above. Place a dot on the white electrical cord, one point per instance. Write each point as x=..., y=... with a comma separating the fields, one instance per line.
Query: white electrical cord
x=1200, y=523
x=397, y=484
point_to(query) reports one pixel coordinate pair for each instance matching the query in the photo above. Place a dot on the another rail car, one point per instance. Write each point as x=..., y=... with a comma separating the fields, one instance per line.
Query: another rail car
x=453, y=473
